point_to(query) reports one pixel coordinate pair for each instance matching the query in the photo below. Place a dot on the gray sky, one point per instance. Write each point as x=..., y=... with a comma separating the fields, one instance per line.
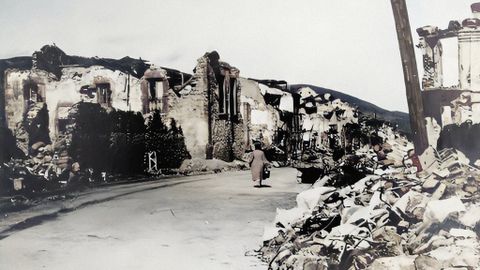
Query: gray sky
x=346, y=45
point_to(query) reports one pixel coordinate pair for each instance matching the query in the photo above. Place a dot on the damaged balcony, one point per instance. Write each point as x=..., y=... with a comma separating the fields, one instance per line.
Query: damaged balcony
x=154, y=91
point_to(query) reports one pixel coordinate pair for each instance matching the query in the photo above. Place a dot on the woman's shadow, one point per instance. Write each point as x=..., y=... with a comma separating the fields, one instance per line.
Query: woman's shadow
x=262, y=186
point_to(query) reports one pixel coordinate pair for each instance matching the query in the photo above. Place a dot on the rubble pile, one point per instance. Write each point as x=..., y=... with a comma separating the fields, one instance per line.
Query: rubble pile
x=45, y=162
x=43, y=168
x=42, y=163
x=197, y=165
x=399, y=217
x=333, y=131
x=362, y=148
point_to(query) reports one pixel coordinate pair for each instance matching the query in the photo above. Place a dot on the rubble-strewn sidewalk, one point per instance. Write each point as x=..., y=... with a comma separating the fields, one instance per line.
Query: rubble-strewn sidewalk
x=396, y=218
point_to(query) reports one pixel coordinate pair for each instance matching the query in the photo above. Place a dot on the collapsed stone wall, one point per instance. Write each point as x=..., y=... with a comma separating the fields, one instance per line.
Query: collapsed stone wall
x=207, y=132
x=190, y=113
x=193, y=109
x=63, y=81
x=17, y=86
x=452, y=111
x=228, y=146
x=263, y=119
x=41, y=91
x=71, y=88
x=239, y=145
x=190, y=110
x=228, y=133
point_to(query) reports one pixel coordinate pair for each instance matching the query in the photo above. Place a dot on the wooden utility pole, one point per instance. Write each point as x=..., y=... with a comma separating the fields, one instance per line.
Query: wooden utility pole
x=3, y=120
x=410, y=73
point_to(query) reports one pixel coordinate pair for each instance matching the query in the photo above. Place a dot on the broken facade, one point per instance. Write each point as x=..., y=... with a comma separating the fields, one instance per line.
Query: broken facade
x=332, y=131
x=324, y=119
x=221, y=113
x=111, y=87
x=274, y=118
x=231, y=112
x=208, y=109
x=449, y=107
x=41, y=100
x=209, y=105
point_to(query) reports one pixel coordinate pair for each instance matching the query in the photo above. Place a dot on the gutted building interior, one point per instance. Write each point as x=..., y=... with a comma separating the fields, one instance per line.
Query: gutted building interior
x=452, y=112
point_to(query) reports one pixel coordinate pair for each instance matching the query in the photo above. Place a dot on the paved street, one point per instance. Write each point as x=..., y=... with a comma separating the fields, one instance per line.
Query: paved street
x=197, y=222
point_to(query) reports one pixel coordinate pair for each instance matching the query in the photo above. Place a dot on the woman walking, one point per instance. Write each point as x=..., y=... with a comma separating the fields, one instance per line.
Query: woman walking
x=257, y=163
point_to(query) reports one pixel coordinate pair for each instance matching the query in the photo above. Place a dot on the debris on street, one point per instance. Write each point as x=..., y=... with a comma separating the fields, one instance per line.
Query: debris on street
x=398, y=215
x=196, y=165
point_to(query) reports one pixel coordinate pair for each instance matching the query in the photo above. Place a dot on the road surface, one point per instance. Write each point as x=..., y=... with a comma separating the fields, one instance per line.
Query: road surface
x=197, y=222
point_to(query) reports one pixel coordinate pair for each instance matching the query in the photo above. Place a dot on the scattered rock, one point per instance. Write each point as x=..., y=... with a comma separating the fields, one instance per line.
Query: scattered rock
x=396, y=219
x=424, y=262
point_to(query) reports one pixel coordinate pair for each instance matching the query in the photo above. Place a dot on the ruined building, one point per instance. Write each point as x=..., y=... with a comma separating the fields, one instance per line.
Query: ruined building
x=452, y=112
x=55, y=81
x=208, y=110
x=324, y=117
x=220, y=113
x=274, y=116
x=232, y=112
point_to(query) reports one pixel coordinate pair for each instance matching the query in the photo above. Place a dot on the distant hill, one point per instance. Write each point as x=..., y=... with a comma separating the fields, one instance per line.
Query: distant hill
x=399, y=118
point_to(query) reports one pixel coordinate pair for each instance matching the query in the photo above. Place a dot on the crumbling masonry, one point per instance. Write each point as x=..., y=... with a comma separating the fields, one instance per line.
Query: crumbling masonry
x=452, y=113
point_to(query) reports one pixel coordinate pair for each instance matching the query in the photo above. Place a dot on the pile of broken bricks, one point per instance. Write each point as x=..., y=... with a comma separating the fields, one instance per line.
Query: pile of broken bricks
x=42, y=169
x=396, y=218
